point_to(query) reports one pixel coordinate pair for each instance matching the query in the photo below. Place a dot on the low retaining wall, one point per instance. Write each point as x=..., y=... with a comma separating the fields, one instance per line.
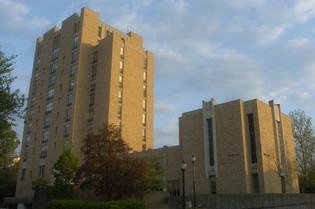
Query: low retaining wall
x=248, y=201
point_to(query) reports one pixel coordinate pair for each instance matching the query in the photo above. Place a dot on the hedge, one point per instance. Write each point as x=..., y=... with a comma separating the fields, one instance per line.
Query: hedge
x=78, y=204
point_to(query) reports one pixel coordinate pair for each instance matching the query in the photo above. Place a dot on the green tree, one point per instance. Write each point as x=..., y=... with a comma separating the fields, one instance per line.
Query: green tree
x=64, y=171
x=108, y=168
x=8, y=176
x=8, y=145
x=153, y=179
x=11, y=101
x=305, y=149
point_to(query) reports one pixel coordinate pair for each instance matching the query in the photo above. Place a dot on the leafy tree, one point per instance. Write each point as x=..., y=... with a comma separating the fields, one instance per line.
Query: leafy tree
x=8, y=176
x=10, y=107
x=107, y=167
x=11, y=101
x=64, y=171
x=8, y=145
x=305, y=149
x=153, y=179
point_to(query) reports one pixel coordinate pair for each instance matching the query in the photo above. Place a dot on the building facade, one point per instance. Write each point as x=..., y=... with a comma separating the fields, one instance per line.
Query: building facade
x=241, y=147
x=85, y=74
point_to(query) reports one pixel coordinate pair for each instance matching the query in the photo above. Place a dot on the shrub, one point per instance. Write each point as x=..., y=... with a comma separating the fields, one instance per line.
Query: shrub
x=78, y=204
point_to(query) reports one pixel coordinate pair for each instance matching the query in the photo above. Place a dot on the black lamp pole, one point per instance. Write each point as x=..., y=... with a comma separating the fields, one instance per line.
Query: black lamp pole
x=193, y=159
x=183, y=166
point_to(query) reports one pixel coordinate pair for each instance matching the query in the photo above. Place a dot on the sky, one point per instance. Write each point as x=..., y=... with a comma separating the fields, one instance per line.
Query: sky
x=203, y=49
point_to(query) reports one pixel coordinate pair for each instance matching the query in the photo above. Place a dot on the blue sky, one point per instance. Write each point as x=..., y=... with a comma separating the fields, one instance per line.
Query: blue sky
x=203, y=49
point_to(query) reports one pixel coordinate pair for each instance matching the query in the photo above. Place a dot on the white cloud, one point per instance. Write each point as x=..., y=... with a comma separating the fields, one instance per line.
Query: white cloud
x=15, y=18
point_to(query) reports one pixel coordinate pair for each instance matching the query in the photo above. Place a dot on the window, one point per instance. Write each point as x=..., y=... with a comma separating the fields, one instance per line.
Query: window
x=121, y=66
x=69, y=99
x=71, y=84
x=23, y=174
x=45, y=136
x=49, y=107
x=91, y=114
x=119, y=94
x=213, y=184
x=119, y=110
x=36, y=76
x=55, y=53
x=121, y=51
x=27, y=140
x=74, y=56
x=43, y=153
x=92, y=97
x=94, y=68
x=53, y=67
x=99, y=31
x=95, y=54
x=143, y=118
x=68, y=114
x=75, y=42
x=72, y=70
x=144, y=76
x=76, y=27
x=144, y=104
x=52, y=80
x=25, y=155
x=29, y=128
x=31, y=115
x=41, y=171
x=47, y=122
x=143, y=132
x=120, y=78
x=252, y=138
x=93, y=86
x=67, y=130
x=37, y=63
x=211, y=142
x=51, y=93
x=256, y=188
x=32, y=101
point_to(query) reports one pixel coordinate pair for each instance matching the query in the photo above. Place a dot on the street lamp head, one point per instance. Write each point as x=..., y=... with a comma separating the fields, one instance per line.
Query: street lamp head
x=183, y=165
x=193, y=158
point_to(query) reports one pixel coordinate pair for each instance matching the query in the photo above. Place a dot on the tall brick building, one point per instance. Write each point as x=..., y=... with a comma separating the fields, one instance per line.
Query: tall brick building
x=85, y=74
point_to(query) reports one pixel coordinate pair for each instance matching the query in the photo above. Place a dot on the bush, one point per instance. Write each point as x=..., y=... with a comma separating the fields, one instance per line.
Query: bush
x=78, y=204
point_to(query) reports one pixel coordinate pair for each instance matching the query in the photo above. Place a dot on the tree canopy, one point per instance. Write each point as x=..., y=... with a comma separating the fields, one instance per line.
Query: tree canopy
x=107, y=167
x=11, y=101
x=64, y=171
x=305, y=149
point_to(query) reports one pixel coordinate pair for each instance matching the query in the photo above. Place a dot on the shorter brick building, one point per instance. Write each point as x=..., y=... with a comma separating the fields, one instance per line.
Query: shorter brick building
x=240, y=147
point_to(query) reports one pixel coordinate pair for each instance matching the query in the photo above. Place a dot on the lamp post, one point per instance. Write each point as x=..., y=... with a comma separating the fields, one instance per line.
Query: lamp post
x=193, y=159
x=183, y=166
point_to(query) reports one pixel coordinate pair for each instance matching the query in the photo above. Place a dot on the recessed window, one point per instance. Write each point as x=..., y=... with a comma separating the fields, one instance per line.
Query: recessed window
x=49, y=107
x=252, y=138
x=75, y=42
x=53, y=67
x=71, y=84
x=47, y=121
x=42, y=170
x=67, y=130
x=72, y=71
x=45, y=136
x=69, y=99
x=55, y=53
x=51, y=93
x=74, y=56
x=52, y=80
